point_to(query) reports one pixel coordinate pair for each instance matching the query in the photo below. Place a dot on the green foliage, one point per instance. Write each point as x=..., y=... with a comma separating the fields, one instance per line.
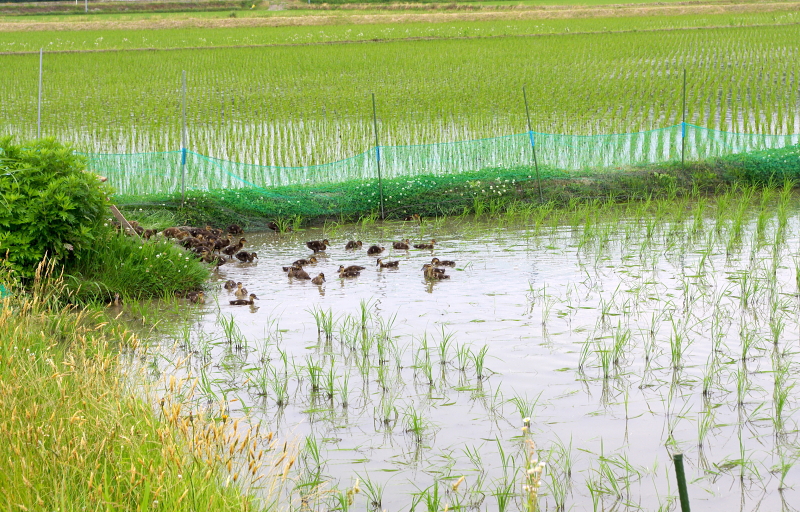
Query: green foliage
x=133, y=268
x=49, y=206
x=763, y=167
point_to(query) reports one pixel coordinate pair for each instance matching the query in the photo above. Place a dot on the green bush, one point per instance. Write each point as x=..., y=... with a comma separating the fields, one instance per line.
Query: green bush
x=133, y=268
x=48, y=205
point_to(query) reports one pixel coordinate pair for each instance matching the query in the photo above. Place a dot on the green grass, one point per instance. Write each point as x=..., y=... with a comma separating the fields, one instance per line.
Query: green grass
x=134, y=269
x=75, y=435
x=308, y=105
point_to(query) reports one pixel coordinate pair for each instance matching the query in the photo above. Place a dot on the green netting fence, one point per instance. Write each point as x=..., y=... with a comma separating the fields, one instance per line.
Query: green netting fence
x=163, y=172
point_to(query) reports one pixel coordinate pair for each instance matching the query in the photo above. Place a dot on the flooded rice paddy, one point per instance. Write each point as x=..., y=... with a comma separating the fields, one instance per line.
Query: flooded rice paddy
x=624, y=336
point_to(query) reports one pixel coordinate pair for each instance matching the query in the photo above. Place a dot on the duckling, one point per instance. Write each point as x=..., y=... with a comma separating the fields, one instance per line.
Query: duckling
x=319, y=279
x=115, y=301
x=196, y=297
x=230, y=284
x=436, y=262
x=388, y=264
x=432, y=273
x=317, y=245
x=233, y=249
x=244, y=302
x=425, y=246
x=351, y=268
x=373, y=250
x=414, y=217
x=303, y=262
x=430, y=268
x=298, y=273
x=221, y=243
x=351, y=273
x=240, y=291
x=403, y=246
x=148, y=233
x=246, y=257
x=235, y=229
x=171, y=232
x=352, y=244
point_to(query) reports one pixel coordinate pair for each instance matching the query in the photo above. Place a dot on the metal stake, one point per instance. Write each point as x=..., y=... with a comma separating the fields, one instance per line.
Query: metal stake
x=533, y=145
x=39, y=111
x=183, y=145
x=683, y=120
x=377, y=153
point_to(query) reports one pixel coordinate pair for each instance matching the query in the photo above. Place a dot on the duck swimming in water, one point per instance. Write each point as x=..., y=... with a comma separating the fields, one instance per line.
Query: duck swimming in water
x=318, y=245
x=436, y=262
x=244, y=302
x=387, y=264
x=319, y=279
x=373, y=250
x=352, y=244
x=402, y=246
x=425, y=246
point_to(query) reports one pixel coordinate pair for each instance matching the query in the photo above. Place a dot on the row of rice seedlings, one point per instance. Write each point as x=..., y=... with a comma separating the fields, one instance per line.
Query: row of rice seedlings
x=741, y=80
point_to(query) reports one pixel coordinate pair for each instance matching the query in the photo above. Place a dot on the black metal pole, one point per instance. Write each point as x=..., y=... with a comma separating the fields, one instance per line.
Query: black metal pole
x=533, y=145
x=683, y=120
x=681, y=476
x=377, y=153
x=183, y=142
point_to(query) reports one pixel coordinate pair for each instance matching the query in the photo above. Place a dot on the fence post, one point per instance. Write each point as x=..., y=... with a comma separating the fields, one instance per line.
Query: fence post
x=183, y=145
x=377, y=153
x=533, y=145
x=39, y=110
x=681, y=476
x=683, y=121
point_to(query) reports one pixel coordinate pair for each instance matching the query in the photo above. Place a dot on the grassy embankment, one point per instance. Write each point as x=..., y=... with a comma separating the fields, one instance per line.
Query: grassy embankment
x=489, y=192
x=76, y=433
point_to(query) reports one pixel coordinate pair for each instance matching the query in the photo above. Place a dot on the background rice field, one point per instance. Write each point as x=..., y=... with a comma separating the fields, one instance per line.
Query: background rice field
x=293, y=106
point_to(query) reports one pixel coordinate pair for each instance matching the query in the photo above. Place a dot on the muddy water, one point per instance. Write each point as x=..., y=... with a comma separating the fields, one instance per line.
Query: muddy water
x=549, y=304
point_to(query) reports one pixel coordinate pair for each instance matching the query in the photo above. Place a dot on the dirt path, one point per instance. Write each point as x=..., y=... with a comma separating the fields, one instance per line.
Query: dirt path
x=523, y=13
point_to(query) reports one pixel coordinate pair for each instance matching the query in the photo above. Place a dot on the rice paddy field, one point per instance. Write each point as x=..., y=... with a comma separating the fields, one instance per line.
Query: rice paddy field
x=304, y=105
x=616, y=335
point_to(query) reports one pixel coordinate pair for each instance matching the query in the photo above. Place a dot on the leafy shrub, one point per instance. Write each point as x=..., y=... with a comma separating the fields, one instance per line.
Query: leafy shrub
x=133, y=268
x=48, y=205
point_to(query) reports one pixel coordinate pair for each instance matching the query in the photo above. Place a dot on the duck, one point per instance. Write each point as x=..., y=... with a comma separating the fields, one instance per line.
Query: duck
x=233, y=249
x=373, y=250
x=350, y=273
x=433, y=273
x=414, y=217
x=388, y=264
x=196, y=297
x=221, y=243
x=403, y=246
x=246, y=257
x=244, y=302
x=115, y=301
x=308, y=261
x=230, y=284
x=425, y=246
x=351, y=268
x=319, y=279
x=235, y=229
x=148, y=233
x=436, y=262
x=240, y=290
x=298, y=273
x=352, y=244
x=172, y=232
x=318, y=245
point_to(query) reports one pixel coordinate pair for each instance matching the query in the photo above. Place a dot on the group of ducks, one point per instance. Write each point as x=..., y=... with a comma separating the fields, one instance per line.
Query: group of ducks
x=431, y=271
x=210, y=245
x=241, y=293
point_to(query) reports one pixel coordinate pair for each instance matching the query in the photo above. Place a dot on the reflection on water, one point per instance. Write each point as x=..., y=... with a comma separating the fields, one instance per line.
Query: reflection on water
x=623, y=342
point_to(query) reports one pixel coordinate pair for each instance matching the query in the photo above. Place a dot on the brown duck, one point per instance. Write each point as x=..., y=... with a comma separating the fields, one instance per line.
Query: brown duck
x=352, y=244
x=433, y=273
x=318, y=245
x=244, y=302
x=425, y=246
x=373, y=250
x=351, y=268
x=403, y=246
x=388, y=264
x=196, y=297
x=436, y=262
x=233, y=249
x=246, y=257
x=230, y=284
x=319, y=279
x=298, y=273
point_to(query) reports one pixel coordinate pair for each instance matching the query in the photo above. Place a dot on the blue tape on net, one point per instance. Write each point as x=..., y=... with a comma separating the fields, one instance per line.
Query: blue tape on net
x=183, y=156
x=533, y=141
x=378, y=153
